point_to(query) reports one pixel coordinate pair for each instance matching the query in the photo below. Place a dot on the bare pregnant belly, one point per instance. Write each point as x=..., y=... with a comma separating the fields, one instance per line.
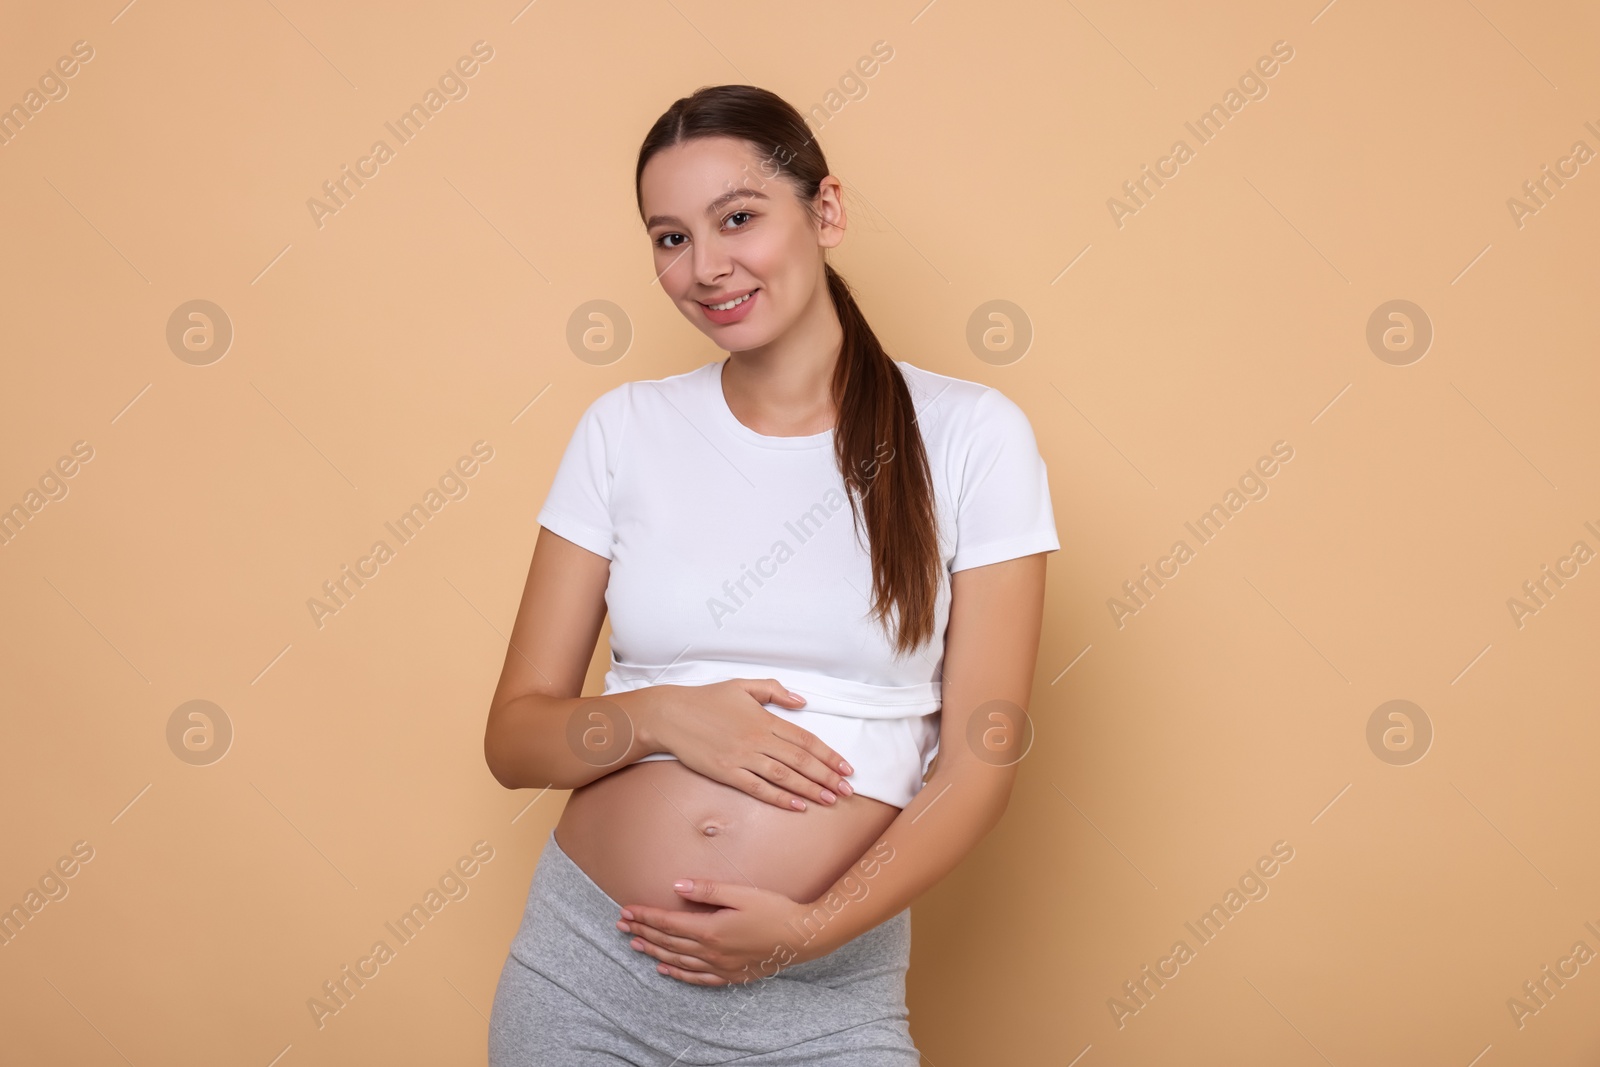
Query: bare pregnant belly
x=641, y=828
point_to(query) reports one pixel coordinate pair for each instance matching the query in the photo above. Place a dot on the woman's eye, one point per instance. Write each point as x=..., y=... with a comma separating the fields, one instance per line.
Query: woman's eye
x=666, y=240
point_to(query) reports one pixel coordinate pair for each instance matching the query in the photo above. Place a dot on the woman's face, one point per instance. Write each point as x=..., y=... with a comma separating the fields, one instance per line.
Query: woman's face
x=721, y=227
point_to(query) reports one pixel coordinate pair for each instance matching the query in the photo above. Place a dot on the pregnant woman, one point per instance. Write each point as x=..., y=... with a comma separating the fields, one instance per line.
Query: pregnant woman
x=823, y=567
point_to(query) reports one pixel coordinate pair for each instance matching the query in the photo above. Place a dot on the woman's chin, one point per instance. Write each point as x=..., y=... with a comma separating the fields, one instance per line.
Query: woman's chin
x=735, y=338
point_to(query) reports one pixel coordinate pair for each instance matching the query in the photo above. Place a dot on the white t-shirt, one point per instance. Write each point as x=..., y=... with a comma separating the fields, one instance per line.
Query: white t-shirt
x=735, y=555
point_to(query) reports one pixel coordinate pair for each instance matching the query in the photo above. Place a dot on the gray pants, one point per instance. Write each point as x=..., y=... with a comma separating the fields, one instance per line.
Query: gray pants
x=572, y=993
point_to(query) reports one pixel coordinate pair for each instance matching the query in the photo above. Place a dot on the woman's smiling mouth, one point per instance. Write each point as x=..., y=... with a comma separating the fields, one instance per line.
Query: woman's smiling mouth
x=731, y=310
x=728, y=305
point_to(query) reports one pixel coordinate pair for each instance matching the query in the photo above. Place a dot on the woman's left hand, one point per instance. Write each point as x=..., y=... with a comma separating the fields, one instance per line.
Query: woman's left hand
x=756, y=932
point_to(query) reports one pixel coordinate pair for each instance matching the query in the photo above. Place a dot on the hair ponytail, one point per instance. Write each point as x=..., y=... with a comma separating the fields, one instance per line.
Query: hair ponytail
x=879, y=450
x=877, y=443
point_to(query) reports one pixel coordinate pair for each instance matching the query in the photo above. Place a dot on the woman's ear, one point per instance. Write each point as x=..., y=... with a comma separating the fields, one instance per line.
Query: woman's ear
x=828, y=210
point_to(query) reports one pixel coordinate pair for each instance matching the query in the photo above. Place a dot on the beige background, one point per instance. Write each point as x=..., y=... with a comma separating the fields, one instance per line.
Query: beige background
x=1228, y=313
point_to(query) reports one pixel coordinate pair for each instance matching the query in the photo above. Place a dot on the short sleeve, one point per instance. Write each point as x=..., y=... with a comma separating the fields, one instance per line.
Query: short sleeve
x=1003, y=508
x=578, y=506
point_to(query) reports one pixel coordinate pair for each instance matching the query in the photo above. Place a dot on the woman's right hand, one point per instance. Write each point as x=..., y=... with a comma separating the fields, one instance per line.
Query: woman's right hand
x=722, y=731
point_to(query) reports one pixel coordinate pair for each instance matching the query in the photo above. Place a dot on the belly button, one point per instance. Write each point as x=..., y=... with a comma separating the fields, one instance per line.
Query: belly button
x=710, y=828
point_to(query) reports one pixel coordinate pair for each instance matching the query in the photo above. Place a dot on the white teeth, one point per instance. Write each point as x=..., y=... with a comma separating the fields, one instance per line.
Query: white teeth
x=731, y=303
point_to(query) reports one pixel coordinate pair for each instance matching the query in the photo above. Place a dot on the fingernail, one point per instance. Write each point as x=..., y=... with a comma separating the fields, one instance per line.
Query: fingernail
x=684, y=887
x=795, y=696
x=626, y=914
x=845, y=768
x=797, y=804
x=827, y=797
x=844, y=787
x=623, y=927
x=636, y=944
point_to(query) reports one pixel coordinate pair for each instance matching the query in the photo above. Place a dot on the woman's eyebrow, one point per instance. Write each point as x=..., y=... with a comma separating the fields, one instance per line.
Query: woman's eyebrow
x=711, y=208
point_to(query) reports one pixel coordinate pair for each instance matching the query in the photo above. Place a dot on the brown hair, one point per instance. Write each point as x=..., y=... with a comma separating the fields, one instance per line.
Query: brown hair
x=875, y=409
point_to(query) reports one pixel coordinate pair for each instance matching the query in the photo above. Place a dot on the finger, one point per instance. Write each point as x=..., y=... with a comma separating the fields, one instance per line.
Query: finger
x=677, y=923
x=776, y=693
x=761, y=789
x=686, y=945
x=691, y=977
x=784, y=775
x=718, y=894
x=769, y=691
x=814, y=772
x=812, y=744
x=675, y=959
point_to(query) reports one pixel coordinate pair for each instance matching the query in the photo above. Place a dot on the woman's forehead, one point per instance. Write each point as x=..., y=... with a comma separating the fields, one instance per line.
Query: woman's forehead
x=695, y=178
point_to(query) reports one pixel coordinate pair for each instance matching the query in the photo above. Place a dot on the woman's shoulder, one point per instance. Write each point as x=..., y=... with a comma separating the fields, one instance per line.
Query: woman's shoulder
x=957, y=410
x=667, y=392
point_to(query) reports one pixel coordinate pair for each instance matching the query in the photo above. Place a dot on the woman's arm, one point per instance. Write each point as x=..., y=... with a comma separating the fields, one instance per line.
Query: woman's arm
x=526, y=741
x=991, y=650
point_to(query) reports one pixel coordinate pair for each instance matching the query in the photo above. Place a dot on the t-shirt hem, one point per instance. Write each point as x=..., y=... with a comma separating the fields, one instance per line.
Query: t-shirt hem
x=579, y=533
x=1010, y=548
x=893, y=795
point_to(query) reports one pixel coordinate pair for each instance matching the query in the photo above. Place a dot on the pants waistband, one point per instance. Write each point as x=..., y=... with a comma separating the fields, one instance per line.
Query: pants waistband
x=569, y=935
